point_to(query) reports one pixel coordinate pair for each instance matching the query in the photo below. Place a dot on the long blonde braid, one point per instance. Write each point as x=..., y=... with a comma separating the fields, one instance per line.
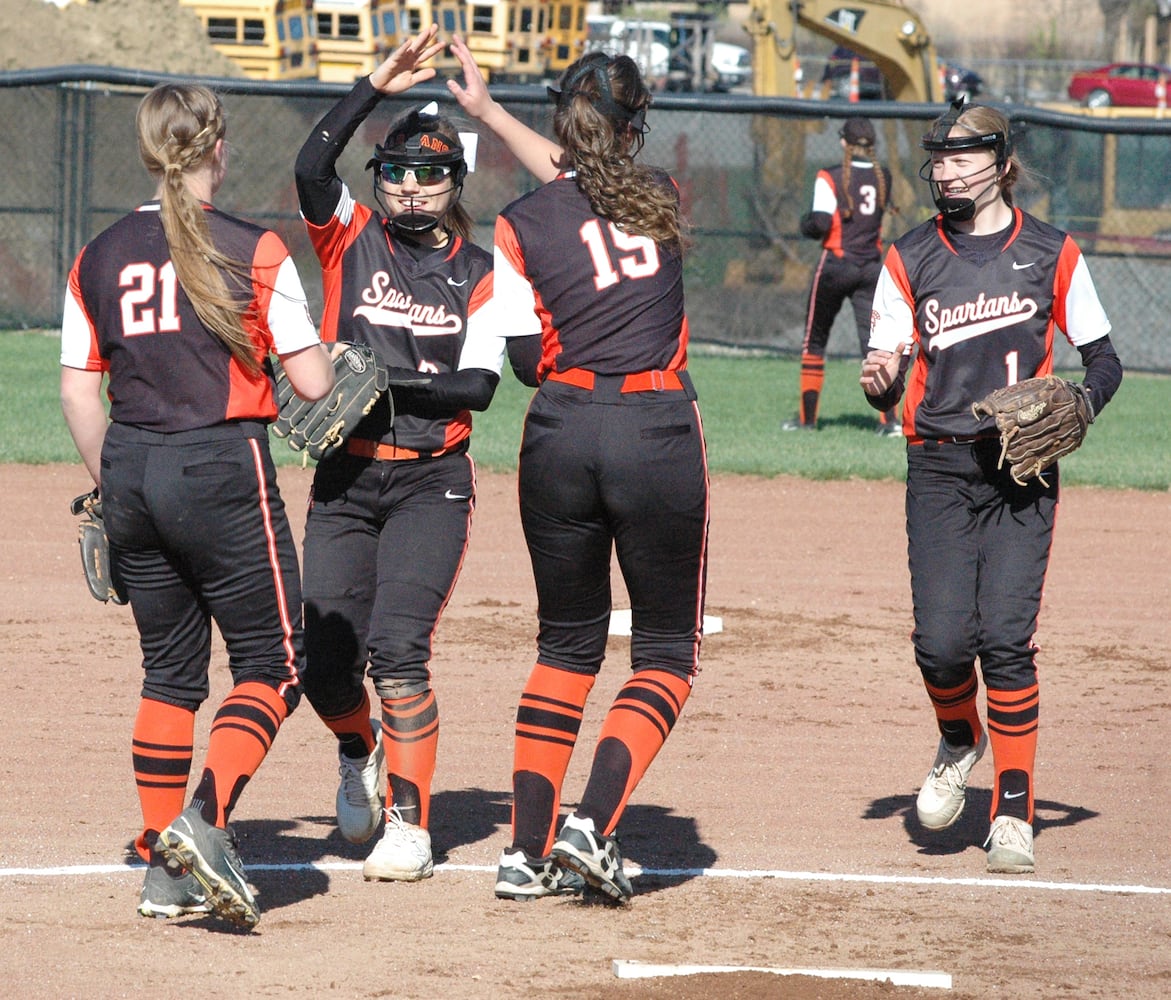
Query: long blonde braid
x=179, y=125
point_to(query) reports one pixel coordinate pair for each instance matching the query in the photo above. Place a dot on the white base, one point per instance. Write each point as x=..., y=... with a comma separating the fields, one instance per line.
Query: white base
x=620, y=623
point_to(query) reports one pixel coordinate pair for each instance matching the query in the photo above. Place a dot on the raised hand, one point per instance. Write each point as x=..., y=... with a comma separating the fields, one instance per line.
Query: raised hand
x=401, y=70
x=473, y=96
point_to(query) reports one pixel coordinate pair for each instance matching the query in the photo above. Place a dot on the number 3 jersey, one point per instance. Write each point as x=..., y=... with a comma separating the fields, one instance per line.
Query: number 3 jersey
x=982, y=311
x=126, y=313
x=602, y=299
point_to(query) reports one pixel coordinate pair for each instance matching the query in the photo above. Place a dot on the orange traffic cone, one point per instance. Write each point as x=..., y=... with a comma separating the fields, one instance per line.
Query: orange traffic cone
x=854, y=74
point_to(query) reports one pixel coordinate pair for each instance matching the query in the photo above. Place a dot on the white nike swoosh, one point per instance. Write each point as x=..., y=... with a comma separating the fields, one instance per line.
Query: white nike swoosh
x=457, y=284
x=1015, y=266
x=454, y=496
x=1013, y=795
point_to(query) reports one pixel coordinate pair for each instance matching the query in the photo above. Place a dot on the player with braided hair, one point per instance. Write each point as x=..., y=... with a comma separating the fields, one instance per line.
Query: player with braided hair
x=849, y=204
x=977, y=293
x=180, y=306
x=589, y=272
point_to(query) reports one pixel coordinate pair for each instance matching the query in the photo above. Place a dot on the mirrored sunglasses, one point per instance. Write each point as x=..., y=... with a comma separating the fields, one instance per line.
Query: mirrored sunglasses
x=394, y=173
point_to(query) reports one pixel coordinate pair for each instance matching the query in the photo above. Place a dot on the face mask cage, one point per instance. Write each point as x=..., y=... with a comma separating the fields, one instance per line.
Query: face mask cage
x=415, y=144
x=940, y=140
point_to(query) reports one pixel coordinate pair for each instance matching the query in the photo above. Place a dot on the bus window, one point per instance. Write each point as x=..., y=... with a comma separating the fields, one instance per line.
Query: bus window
x=254, y=31
x=221, y=29
x=481, y=18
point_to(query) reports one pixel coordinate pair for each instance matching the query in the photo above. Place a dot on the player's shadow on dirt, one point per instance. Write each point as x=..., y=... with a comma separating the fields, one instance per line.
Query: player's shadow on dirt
x=281, y=856
x=665, y=845
x=971, y=829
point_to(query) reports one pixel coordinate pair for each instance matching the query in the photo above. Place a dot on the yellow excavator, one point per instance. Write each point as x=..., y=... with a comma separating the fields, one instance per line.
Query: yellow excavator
x=886, y=32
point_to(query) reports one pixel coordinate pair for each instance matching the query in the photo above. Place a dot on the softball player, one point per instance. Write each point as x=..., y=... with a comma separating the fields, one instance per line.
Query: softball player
x=389, y=516
x=849, y=201
x=180, y=305
x=612, y=456
x=977, y=292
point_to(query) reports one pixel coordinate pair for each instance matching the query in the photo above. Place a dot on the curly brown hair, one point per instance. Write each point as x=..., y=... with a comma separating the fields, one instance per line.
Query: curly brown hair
x=598, y=123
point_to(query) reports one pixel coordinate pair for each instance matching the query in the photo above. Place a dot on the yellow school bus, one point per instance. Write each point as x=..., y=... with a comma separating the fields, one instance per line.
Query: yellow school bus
x=519, y=40
x=268, y=39
x=354, y=36
x=450, y=15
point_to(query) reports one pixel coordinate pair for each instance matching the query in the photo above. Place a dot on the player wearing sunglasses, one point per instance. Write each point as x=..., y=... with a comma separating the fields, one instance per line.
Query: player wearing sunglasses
x=388, y=522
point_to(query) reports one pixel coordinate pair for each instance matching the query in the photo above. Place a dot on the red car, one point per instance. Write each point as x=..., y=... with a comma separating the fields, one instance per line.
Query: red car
x=1129, y=85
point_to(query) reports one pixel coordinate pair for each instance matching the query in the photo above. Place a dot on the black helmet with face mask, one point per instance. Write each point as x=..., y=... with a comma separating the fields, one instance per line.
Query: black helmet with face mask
x=941, y=140
x=426, y=145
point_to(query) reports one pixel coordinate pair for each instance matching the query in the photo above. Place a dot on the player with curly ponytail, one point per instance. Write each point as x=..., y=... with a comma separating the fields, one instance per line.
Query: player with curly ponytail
x=589, y=273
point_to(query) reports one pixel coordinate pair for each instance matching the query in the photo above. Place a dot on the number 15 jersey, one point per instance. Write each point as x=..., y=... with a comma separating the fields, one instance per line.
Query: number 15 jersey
x=602, y=299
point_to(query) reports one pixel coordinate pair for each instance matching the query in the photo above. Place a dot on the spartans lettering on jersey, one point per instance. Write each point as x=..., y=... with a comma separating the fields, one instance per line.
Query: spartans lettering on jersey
x=390, y=307
x=952, y=325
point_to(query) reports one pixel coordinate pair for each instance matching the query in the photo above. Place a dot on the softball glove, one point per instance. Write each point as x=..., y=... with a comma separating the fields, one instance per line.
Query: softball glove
x=1040, y=420
x=101, y=577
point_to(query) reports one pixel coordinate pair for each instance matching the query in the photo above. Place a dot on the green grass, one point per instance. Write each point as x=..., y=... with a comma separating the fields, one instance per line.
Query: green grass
x=743, y=400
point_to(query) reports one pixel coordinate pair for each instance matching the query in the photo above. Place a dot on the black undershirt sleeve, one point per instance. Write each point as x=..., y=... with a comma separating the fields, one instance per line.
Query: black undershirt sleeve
x=446, y=394
x=318, y=186
x=1103, y=371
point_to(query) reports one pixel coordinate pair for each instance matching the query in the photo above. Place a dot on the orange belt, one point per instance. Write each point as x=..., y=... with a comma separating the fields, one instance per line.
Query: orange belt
x=386, y=452
x=652, y=381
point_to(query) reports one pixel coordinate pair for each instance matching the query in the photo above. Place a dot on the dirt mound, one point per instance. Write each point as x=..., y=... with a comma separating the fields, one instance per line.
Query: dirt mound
x=155, y=35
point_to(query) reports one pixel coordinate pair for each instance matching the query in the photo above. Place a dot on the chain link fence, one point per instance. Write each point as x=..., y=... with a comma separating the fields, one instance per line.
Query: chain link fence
x=745, y=167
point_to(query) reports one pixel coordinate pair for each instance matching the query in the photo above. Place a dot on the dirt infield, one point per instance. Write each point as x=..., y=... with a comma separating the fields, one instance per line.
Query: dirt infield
x=776, y=830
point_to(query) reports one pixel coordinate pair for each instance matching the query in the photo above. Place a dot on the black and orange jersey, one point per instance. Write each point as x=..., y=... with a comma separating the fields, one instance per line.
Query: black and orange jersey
x=126, y=313
x=856, y=233
x=982, y=311
x=601, y=299
x=417, y=309
x=415, y=312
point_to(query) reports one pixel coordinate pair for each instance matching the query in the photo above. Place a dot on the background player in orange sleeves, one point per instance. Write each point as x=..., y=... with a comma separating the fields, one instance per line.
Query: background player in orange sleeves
x=588, y=270
x=849, y=203
x=390, y=514
x=977, y=292
x=180, y=306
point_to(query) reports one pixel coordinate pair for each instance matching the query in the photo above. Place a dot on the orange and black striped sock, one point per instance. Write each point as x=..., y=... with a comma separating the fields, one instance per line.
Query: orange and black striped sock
x=242, y=733
x=634, y=730
x=410, y=734
x=812, y=380
x=956, y=712
x=162, y=751
x=353, y=728
x=1012, y=730
x=548, y=720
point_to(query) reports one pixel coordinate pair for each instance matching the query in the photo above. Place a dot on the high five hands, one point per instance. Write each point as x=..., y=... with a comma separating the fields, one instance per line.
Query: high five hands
x=401, y=70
